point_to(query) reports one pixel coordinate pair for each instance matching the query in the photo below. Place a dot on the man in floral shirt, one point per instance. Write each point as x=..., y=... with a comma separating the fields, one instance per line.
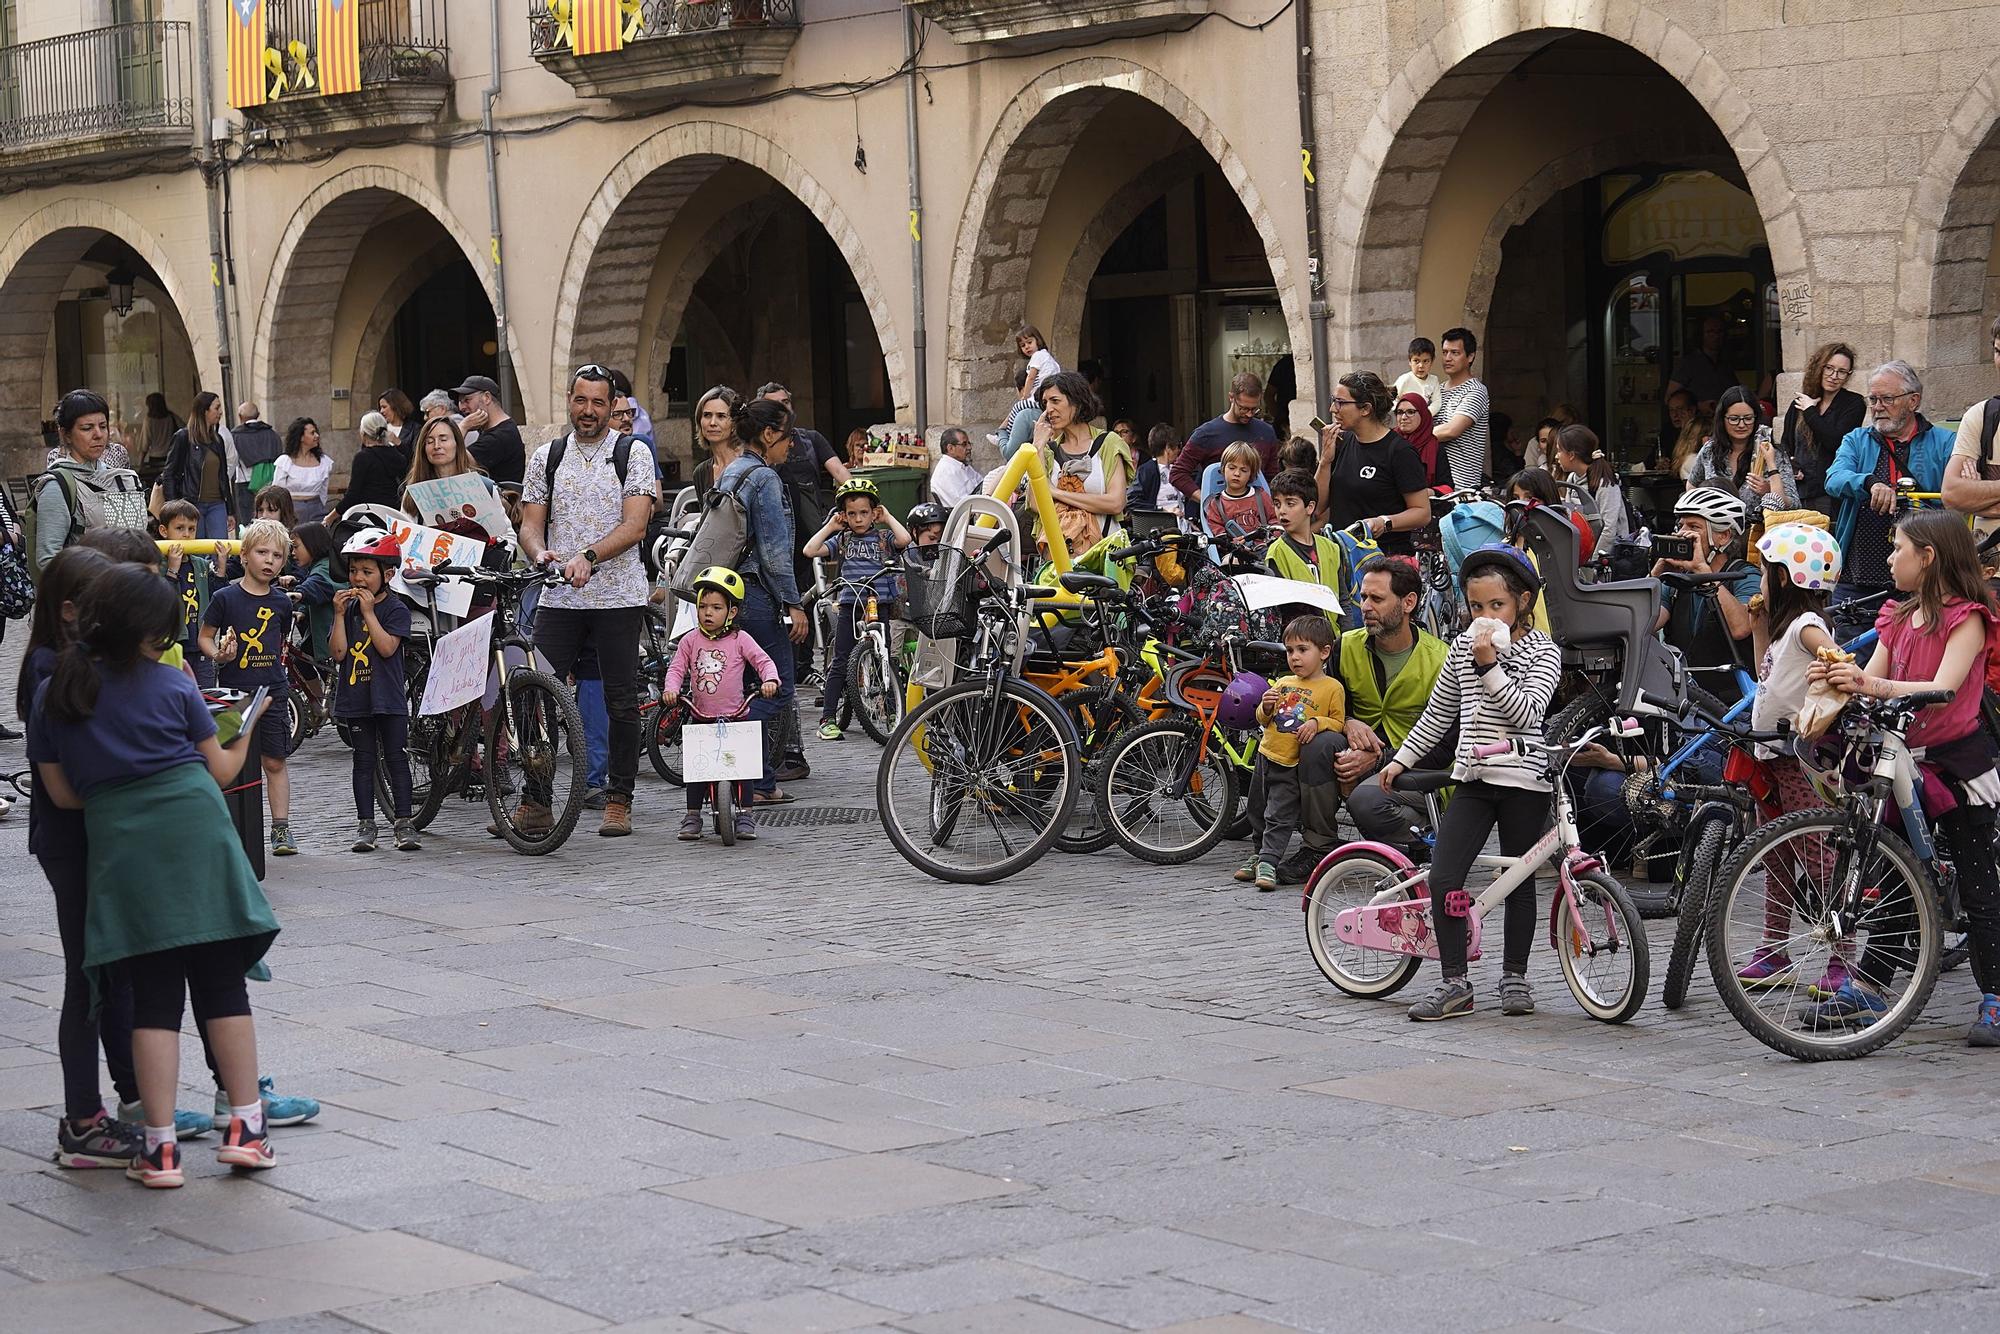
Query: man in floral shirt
x=590, y=522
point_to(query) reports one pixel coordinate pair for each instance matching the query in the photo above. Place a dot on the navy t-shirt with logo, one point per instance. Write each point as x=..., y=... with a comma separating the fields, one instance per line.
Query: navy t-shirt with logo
x=370, y=683
x=261, y=624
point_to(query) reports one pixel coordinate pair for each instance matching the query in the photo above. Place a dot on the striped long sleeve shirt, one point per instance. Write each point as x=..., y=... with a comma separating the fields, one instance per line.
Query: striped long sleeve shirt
x=1502, y=702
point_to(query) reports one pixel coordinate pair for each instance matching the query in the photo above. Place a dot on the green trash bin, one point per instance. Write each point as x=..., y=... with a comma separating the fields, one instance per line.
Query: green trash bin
x=900, y=488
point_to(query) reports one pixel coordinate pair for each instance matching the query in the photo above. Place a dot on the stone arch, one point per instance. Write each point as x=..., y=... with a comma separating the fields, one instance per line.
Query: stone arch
x=1001, y=224
x=1374, y=244
x=617, y=244
x=675, y=302
x=1943, y=289
x=35, y=266
x=375, y=335
x=310, y=269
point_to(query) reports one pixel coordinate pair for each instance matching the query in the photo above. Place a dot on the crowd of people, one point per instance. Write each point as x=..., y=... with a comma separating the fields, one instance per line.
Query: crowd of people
x=1808, y=525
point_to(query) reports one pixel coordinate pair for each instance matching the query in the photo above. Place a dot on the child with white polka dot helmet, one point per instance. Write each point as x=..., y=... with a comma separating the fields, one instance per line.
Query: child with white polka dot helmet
x=1801, y=567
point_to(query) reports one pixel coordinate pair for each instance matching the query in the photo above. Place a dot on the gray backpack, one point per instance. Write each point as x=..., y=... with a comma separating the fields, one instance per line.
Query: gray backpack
x=722, y=534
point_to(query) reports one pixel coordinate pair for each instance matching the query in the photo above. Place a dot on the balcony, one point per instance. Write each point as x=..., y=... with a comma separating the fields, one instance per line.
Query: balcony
x=670, y=46
x=405, y=74
x=119, y=95
x=1040, y=25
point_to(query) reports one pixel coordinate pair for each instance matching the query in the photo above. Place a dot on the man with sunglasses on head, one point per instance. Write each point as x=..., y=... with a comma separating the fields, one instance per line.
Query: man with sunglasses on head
x=1899, y=448
x=589, y=518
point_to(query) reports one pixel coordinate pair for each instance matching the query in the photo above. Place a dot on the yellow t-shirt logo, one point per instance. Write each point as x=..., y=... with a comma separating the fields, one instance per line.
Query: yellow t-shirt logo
x=357, y=660
x=253, y=639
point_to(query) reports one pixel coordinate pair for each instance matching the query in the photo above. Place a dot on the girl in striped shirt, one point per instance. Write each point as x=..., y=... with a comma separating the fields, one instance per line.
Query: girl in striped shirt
x=1496, y=686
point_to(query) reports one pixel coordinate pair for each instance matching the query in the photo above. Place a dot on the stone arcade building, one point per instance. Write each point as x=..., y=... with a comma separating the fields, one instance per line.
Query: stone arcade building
x=728, y=198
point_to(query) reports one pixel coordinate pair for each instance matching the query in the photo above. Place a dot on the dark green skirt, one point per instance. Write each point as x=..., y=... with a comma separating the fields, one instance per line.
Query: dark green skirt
x=167, y=870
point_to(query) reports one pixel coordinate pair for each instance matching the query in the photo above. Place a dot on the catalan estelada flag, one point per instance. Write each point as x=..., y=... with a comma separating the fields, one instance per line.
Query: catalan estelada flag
x=246, y=52
x=339, y=47
x=598, y=27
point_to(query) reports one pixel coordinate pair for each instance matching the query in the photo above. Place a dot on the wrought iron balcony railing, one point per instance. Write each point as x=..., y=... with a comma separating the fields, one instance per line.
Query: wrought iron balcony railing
x=552, y=25
x=401, y=41
x=129, y=79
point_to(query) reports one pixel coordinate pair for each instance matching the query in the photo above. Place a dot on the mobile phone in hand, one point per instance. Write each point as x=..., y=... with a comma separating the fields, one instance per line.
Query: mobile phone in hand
x=1319, y=425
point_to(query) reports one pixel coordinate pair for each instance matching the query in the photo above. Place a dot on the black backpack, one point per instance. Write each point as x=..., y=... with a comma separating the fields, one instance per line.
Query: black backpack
x=621, y=458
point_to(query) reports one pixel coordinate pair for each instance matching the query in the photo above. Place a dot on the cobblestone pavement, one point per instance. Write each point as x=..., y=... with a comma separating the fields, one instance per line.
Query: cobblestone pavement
x=793, y=1086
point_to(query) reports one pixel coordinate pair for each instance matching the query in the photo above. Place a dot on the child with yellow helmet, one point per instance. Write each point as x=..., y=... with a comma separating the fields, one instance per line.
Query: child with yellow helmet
x=854, y=534
x=709, y=664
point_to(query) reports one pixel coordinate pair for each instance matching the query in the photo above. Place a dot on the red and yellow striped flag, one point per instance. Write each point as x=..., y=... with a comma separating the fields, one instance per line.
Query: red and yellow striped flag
x=339, y=47
x=598, y=27
x=246, y=52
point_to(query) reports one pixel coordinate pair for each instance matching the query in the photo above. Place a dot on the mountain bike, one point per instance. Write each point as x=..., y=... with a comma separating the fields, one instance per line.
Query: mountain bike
x=1368, y=909
x=978, y=780
x=528, y=744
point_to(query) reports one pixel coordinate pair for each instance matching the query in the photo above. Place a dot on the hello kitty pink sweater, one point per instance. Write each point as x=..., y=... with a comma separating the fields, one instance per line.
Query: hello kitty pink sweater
x=711, y=671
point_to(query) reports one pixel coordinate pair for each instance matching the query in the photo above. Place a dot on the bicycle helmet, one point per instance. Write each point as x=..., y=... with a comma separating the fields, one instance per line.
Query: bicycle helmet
x=1713, y=505
x=1240, y=698
x=724, y=581
x=925, y=515
x=856, y=486
x=1499, y=555
x=383, y=548
x=1809, y=555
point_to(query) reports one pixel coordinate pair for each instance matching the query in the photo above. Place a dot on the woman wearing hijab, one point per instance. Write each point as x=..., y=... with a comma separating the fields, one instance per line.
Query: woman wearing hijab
x=1413, y=421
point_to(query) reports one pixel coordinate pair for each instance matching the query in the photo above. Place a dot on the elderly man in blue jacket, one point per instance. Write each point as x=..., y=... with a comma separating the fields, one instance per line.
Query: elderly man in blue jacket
x=1899, y=448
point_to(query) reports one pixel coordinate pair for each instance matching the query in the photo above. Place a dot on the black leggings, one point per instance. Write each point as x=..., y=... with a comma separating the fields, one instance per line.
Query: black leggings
x=1462, y=831
x=210, y=974
x=390, y=733
x=78, y=1032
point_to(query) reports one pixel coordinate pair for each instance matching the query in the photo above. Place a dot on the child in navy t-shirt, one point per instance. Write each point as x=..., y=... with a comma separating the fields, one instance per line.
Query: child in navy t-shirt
x=244, y=630
x=369, y=683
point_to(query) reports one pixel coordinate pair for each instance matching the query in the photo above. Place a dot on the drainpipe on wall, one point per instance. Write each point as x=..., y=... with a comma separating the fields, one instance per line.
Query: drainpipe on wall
x=213, y=168
x=1319, y=312
x=921, y=336
x=503, y=363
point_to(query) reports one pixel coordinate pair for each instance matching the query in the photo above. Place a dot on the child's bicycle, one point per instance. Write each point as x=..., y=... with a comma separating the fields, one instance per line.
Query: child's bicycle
x=721, y=791
x=529, y=745
x=1368, y=910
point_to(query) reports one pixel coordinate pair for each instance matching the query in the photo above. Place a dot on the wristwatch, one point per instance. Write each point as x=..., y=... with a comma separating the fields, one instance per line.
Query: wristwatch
x=590, y=554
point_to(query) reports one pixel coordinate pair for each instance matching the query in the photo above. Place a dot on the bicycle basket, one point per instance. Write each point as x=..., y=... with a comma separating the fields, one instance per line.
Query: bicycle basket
x=940, y=601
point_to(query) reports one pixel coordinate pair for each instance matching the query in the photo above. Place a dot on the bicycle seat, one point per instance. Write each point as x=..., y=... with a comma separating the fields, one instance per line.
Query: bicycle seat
x=1083, y=582
x=1617, y=615
x=1419, y=781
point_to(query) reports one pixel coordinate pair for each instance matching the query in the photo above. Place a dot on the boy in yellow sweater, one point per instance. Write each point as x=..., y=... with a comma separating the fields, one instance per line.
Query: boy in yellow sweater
x=1294, y=710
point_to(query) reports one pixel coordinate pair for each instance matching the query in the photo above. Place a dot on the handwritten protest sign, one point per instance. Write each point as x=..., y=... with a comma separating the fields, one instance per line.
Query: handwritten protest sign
x=459, y=665
x=468, y=498
x=721, y=752
x=425, y=548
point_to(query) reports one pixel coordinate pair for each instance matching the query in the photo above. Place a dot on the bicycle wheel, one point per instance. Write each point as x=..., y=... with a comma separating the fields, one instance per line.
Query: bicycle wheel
x=874, y=687
x=1099, y=714
x=1167, y=791
x=432, y=775
x=1353, y=881
x=663, y=742
x=1703, y=863
x=534, y=747
x=1775, y=907
x=725, y=813
x=298, y=721
x=1602, y=948
x=978, y=780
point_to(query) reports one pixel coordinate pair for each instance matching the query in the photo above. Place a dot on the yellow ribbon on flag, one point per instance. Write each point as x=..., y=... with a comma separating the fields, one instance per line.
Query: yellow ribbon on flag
x=275, y=64
x=634, y=17
x=302, y=77
x=564, y=13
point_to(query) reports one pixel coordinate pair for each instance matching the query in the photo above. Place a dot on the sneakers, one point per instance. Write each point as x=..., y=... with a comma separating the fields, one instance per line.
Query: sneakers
x=1248, y=870
x=831, y=732
x=1769, y=966
x=532, y=819
x=1985, y=1031
x=406, y=836
x=691, y=825
x=1266, y=876
x=282, y=844
x=242, y=1149
x=745, y=826
x=100, y=1142
x=158, y=1170
x=1516, y=996
x=617, y=820
x=187, y=1124
x=279, y=1110
x=1853, y=1006
x=1298, y=868
x=365, y=834
x=1831, y=981
x=1448, y=1000
x=792, y=770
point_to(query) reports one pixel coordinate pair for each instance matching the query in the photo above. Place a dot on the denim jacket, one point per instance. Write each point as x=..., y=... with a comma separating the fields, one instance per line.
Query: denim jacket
x=768, y=517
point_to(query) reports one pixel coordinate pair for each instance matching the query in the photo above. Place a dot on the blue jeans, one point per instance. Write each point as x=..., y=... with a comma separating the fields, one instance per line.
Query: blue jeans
x=763, y=621
x=214, y=518
x=596, y=730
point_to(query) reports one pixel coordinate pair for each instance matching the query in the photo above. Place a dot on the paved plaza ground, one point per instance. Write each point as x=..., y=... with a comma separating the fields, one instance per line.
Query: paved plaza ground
x=793, y=1086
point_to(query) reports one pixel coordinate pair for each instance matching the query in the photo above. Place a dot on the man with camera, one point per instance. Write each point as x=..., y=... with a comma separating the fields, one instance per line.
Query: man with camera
x=1710, y=622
